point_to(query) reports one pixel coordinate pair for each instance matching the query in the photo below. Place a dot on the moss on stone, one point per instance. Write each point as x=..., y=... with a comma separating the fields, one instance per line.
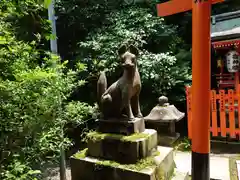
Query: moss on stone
x=140, y=165
x=160, y=174
x=96, y=136
x=172, y=172
x=135, y=137
x=81, y=154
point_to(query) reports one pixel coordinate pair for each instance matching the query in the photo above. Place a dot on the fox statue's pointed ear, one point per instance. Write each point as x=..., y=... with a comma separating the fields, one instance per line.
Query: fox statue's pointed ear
x=122, y=50
x=133, y=50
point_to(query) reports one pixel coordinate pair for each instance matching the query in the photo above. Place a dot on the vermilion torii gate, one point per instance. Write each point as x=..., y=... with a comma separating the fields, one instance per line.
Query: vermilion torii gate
x=201, y=50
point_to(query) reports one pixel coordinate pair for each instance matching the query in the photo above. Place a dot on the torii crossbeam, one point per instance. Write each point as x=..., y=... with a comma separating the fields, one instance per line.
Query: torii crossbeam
x=201, y=43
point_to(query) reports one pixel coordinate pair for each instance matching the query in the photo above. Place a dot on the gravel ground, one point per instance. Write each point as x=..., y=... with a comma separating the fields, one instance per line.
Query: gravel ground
x=54, y=174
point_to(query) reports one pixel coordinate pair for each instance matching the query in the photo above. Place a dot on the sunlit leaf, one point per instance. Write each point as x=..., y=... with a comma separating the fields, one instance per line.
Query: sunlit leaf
x=47, y=3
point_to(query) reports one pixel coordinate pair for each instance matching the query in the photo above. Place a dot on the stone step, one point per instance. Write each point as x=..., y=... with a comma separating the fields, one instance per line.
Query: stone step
x=180, y=175
x=160, y=165
x=120, y=148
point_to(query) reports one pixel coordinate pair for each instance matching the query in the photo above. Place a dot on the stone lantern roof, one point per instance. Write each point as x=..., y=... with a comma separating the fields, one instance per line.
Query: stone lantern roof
x=164, y=112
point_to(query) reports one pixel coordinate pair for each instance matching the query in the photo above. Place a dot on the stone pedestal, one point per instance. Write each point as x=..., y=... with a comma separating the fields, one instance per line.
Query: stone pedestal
x=163, y=118
x=123, y=150
x=158, y=166
x=120, y=148
x=121, y=126
x=166, y=132
x=166, y=140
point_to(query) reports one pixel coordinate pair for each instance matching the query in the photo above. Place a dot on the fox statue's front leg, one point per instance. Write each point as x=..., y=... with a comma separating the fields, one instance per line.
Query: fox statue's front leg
x=126, y=103
x=136, y=106
x=106, y=102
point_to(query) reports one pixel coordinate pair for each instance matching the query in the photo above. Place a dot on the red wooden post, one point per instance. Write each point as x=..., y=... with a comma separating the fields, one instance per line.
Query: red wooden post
x=238, y=103
x=189, y=110
x=231, y=113
x=214, y=113
x=201, y=53
x=222, y=102
x=236, y=80
x=201, y=78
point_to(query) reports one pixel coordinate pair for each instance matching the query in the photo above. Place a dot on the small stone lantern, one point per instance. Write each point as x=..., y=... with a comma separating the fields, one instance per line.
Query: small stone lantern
x=163, y=118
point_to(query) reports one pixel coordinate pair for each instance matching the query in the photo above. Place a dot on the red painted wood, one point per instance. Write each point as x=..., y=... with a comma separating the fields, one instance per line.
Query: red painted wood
x=231, y=112
x=177, y=6
x=222, y=113
x=214, y=113
x=223, y=98
x=237, y=131
x=226, y=43
x=201, y=52
x=189, y=111
x=238, y=98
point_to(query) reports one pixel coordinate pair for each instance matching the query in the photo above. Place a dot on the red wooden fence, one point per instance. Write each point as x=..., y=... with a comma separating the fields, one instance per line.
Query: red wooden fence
x=225, y=116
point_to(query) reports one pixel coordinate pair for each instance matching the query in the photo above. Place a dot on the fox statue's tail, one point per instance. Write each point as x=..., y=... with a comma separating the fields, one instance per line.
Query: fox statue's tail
x=101, y=87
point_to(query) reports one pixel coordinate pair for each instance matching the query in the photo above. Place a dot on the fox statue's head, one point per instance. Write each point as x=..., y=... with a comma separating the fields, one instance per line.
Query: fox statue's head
x=128, y=56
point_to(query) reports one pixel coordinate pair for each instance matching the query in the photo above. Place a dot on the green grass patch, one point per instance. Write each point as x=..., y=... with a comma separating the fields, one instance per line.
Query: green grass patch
x=96, y=136
x=233, y=167
x=183, y=145
x=81, y=154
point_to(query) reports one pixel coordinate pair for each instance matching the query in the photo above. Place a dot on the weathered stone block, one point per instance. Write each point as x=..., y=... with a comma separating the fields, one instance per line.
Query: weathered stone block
x=180, y=176
x=166, y=135
x=161, y=127
x=159, y=166
x=168, y=140
x=120, y=148
x=121, y=126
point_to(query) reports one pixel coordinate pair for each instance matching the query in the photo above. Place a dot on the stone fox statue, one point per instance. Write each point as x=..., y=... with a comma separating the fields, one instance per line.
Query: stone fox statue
x=122, y=97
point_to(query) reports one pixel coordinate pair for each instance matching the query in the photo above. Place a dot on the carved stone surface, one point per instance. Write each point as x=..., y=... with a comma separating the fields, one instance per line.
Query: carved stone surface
x=121, y=126
x=163, y=118
x=123, y=149
x=122, y=97
x=164, y=112
x=89, y=168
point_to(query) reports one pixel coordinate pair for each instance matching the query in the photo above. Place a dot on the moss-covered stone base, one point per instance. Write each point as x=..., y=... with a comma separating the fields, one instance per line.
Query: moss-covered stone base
x=158, y=166
x=168, y=140
x=120, y=148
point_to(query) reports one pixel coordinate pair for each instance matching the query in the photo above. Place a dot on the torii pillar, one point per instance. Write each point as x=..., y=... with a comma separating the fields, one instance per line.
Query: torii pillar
x=201, y=51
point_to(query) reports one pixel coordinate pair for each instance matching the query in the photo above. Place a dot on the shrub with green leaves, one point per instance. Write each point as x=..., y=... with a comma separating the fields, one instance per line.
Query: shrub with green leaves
x=34, y=109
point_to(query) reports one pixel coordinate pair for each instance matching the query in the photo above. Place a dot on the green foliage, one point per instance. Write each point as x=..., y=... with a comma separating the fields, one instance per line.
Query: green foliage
x=160, y=70
x=184, y=145
x=47, y=3
x=34, y=95
x=20, y=171
x=77, y=18
x=76, y=112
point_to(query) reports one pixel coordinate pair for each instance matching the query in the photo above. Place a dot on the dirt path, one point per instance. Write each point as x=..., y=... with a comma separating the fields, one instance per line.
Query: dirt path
x=54, y=174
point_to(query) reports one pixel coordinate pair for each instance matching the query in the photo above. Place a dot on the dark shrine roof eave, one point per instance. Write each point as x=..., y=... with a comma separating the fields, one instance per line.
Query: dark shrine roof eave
x=225, y=26
x=226, y=16
x=235, y=31
x=226, y=38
